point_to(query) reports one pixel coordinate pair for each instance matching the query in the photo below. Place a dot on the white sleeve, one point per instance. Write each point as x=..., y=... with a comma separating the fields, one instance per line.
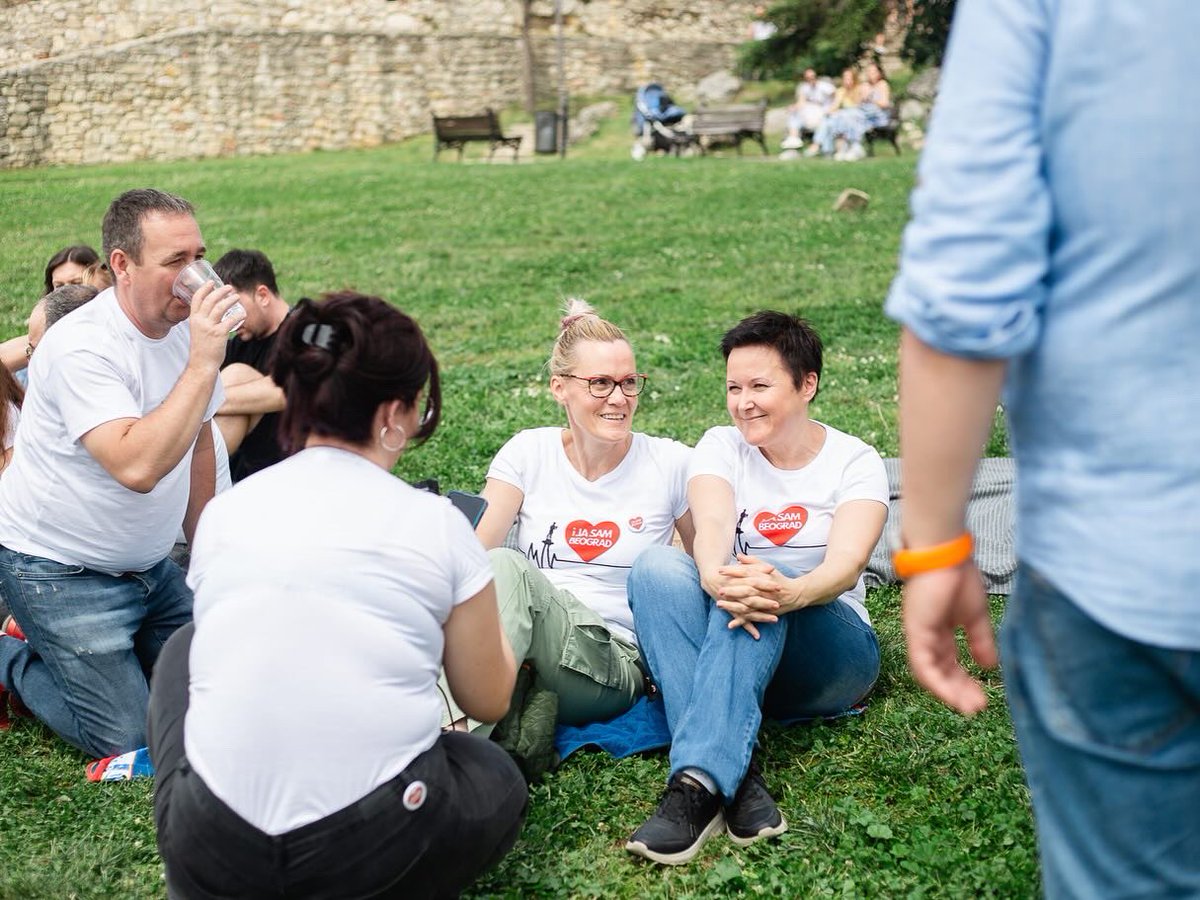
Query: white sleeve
x=512, y=461
x=14, y=419
x=864, y=478
x=681, y=459
x=715, y=454
x=89, y=391
x=471, y=571
x=205, y=543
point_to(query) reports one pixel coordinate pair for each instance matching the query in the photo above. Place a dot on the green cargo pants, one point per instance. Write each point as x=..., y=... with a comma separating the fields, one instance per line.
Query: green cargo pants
x=594, y=673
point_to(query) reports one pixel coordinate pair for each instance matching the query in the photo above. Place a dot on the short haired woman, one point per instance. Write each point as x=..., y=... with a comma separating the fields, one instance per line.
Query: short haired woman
x=768, y=618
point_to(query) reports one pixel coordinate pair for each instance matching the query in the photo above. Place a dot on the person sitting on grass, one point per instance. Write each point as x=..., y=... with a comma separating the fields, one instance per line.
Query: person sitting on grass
x=114, y=451
x=70, y=265
x=294, y=727
x=768, y=617
x=587, y=500
x=67, y=266
x=49, y=310
x=249, y=417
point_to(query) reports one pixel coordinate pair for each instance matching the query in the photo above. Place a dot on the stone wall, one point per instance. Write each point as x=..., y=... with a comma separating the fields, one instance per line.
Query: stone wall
x=114, y=80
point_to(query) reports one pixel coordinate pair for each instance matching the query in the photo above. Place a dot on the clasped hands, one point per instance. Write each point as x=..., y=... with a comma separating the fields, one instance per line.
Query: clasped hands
x=753, y=591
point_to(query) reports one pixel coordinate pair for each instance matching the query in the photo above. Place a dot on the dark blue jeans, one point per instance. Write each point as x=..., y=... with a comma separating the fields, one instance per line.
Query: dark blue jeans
x=92, y=640
x=716, y=683
x=1109, y=732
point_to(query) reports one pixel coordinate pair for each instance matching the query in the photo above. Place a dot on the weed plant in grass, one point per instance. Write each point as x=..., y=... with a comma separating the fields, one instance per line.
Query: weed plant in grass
x=906, y=800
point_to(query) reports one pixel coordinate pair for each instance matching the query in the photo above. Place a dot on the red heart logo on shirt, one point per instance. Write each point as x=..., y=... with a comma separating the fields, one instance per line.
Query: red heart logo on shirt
x=636, y=523
x=589, y=540
x=781, y=527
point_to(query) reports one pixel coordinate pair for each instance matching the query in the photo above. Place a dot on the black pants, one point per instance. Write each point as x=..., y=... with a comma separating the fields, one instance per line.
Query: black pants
x=473, y=811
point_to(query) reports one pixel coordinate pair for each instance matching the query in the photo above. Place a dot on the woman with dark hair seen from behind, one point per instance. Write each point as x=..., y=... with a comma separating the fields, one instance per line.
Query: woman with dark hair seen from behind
x=294, y=726
x=67, y=265
x=768, y=618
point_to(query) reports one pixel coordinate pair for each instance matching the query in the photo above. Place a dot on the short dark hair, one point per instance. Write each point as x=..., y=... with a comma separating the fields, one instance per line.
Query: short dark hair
x=793, y=338
x=334, y=379
x=246, y=270
x=65, y=299
x=80, y=254
x=122, y=226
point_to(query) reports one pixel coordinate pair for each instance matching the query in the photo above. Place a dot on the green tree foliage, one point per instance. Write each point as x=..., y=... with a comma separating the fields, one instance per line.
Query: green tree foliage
x=925, y=41
x=827, y=35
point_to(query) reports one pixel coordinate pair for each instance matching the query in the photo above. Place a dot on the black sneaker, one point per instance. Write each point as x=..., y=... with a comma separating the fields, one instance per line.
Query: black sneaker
x=753, y=814
x=687, y=816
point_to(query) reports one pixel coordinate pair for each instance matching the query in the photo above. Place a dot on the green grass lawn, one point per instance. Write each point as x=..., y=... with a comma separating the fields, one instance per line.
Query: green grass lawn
x=906, y=800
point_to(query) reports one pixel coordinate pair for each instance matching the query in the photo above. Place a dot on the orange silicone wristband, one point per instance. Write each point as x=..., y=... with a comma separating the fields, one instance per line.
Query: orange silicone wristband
x=908, y=563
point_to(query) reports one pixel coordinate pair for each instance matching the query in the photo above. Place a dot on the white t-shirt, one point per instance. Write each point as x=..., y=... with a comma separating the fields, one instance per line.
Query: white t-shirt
x=224, y=481
x=584, y=535
x=56, y=500
x=818, y=93
x=14, y=419
x=322, y=584
x=784, y=515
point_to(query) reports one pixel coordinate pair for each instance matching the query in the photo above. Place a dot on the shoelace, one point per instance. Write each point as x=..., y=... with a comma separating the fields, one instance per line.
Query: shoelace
x=678, y=801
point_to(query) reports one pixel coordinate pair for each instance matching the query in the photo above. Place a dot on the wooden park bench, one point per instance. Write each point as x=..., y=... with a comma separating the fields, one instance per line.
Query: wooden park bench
x=730, y=124
x=450, y=132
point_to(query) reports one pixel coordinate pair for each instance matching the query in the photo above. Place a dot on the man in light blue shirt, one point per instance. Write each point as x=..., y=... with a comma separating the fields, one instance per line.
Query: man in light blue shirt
x=1054, y=251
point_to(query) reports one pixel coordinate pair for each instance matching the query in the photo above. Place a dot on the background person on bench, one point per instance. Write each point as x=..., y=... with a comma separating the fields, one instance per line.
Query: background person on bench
x=813, y=96
x=847, y=97
x=851, y=125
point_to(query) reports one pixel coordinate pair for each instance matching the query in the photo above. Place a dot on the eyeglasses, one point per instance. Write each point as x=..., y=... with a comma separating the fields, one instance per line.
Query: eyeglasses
x=602, y=386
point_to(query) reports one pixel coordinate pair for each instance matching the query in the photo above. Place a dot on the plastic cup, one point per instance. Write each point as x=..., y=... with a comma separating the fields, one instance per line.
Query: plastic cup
x=192, y=277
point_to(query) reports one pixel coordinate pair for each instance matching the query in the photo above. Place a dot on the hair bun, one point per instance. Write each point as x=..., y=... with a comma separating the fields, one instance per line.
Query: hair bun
x=575, y=310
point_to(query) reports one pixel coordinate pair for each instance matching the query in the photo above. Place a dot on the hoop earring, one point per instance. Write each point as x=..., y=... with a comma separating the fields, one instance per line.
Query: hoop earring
x=383, y=438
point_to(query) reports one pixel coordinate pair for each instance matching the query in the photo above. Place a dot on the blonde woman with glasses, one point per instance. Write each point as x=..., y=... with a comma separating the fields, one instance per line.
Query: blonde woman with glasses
x=586, y=500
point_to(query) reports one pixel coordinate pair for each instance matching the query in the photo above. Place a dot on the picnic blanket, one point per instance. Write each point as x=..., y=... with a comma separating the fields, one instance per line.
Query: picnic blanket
x=991, y=519
x=641, y=728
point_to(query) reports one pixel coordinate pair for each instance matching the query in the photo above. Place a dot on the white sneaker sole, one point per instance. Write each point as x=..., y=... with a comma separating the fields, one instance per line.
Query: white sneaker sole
x=686, y=854
x=763, y=833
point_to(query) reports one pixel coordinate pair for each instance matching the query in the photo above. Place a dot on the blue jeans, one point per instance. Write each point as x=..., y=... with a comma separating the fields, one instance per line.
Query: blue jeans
x=92, y=641
x=716, y=683
x=1109, y=732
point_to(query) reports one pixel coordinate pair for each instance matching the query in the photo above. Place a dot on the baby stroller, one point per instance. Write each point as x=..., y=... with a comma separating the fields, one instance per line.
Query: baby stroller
x=654, y=116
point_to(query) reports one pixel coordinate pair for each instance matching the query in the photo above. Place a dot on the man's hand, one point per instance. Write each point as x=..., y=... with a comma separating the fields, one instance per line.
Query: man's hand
x=209, y=332
x=936, y=604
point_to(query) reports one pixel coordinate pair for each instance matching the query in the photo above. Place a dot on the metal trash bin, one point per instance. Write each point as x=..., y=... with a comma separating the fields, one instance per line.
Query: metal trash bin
x=545, y=128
